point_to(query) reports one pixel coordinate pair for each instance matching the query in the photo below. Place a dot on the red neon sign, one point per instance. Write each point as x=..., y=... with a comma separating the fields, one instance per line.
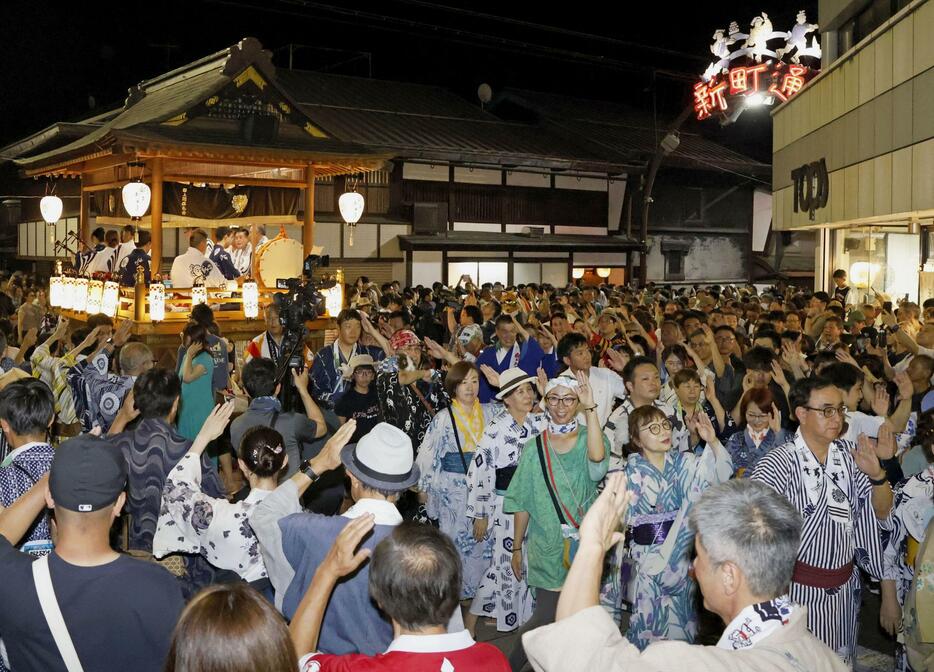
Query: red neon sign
x=769, y=81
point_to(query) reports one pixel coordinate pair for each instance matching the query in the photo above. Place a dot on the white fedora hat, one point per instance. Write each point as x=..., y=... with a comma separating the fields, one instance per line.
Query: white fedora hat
x=382, y=459
x=510, y=379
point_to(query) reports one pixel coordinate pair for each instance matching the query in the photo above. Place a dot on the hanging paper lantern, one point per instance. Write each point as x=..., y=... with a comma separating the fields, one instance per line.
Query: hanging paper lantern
x=577, y=273
x=80, y=302
x=351, y=206
x=110, y=298
x=334, y=299
x=95, y=296
x=51, y=209
x=136, y=197
x=157, y=302
x=250, y=299
x=603, y=272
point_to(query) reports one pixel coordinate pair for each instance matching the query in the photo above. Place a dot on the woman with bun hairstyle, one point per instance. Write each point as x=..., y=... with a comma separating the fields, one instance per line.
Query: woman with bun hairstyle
x=193, y=522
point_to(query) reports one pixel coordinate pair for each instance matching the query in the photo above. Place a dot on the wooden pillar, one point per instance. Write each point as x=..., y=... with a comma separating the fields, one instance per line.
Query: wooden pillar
x=155, y=214
x=84, y=223
x=308, y=229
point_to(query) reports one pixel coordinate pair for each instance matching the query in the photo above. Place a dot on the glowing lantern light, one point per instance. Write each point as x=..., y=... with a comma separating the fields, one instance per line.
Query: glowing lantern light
x=577, y=273
x=157, y=302
x=136, y=197
x=110, y=299
x=862, y=273
x=334, y=297
x=603, y=272
x=351, y=206
x=250, y=299
x=199, y=294
x=56, y=289
x=51, y=209
x=95, y=296
x=80, y=302
x=68, y=293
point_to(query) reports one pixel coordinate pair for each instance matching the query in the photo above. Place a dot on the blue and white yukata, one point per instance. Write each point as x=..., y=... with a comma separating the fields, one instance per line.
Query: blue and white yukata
x=444, y=480
x=911, y=514
x=840, y=534
x=658, y=586
x=500, y=594
x=19, y=471
x=746, y=447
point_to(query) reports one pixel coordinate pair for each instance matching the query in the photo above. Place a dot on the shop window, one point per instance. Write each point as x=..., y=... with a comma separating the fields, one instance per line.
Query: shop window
x=878, y=259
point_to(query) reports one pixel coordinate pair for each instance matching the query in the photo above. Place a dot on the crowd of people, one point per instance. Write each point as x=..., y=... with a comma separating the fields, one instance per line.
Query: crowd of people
x=569, y=463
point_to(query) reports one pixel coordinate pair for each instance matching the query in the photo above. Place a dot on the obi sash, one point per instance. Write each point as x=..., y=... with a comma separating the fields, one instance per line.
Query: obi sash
x=652, y=529
x=818, y=577
x=453, y=462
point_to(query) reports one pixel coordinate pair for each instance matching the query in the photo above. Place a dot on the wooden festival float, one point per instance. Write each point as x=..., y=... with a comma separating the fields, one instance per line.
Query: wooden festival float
x=214, y=143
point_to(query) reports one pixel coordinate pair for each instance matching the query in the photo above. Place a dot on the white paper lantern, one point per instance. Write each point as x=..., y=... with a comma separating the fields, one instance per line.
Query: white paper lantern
x=199, y=294
x=110, y=298
x=80, y=302
x=577, y=273
x=136, y=197
x=603, y=272
x=351, y=206
x=68, y=293
x=95, y=296
x=157, y=302
x=250, y=299
x=334, y=299
x=56, y=289
x=51, y=209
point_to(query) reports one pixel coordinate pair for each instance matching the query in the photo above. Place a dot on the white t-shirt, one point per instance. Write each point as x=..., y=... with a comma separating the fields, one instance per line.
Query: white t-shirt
x=185, y=266
x=858, y=423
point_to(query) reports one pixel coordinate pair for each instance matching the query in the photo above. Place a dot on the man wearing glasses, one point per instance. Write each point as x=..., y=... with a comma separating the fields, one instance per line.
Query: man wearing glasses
x=841, y=491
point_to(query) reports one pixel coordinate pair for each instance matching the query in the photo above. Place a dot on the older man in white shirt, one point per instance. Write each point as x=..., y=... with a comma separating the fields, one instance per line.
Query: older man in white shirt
x=195, y=265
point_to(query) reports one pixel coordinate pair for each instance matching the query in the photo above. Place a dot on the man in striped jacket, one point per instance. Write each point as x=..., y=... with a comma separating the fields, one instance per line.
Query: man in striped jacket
x=841, y=491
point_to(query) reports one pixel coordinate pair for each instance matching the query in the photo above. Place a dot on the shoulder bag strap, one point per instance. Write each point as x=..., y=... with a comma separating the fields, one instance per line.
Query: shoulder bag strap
x=421, y=398
x=551, y=492
x=53, y=614
x=457, y=438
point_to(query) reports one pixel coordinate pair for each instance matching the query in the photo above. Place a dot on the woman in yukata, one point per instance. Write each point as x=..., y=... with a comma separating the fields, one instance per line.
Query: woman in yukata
x=761, y=424
x=689, y=405
x=443, y=460
x=664, y=485
x=502, y=595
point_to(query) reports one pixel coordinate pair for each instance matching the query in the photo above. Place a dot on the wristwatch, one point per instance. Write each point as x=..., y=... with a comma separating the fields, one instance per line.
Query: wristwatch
x=306, y=469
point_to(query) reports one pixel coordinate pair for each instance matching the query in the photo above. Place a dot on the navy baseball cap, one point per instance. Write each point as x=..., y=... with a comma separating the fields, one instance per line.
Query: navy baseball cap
x=88, y=474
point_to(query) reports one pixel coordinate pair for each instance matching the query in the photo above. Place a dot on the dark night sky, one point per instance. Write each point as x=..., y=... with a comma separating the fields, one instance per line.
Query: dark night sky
x=59, y=60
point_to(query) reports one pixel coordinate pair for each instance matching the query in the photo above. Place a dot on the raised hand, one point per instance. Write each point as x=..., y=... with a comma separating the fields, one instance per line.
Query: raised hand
x=343, y=557
x=123, y=332
x=300, y=379
x=905, y=389
x=880, y=401
x=705, y=427
x=331, y=453
x=843, y=355
x=885, y=444
x=603, y=522
x=616, y=360
x=865, y=457
x=584, y=391
x=778, y=374
x=193, y=350
x=491, y=374
x=216, y=421
x=435, y=350
x=541, y=380
x=775, y=419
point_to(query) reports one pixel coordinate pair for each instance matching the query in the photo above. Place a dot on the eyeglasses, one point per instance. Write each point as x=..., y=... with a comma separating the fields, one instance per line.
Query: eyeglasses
x=563, y=401
x=657, y=428
x=758, y=416
x=829, y=411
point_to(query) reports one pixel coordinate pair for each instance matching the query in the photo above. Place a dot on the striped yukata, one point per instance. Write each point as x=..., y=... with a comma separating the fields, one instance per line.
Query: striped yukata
x=840, y=527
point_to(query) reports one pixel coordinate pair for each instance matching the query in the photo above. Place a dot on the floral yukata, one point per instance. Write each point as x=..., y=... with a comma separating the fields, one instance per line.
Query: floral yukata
x=658, y=585
x=911, y=514
x=443, y=467
x=193, y=522
x=500, y=594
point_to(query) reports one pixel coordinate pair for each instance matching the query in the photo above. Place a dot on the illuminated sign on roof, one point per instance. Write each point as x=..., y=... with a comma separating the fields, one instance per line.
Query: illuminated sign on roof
x=754, y=68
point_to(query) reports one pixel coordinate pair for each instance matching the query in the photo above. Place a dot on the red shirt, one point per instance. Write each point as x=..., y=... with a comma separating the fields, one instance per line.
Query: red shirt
x=452, y=652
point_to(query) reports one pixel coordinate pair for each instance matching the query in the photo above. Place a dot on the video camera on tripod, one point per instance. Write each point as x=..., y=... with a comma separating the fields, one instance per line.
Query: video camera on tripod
x=303, y=301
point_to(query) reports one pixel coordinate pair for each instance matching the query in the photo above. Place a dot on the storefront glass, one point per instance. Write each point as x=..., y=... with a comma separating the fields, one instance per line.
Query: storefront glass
x=880, y=259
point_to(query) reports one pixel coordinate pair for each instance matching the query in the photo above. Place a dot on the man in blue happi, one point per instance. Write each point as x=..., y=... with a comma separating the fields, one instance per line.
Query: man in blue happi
x=27, y=409
x=136, y=259
x=507, y=352
x=83, y=259
x=223, y=236
x=328, y=383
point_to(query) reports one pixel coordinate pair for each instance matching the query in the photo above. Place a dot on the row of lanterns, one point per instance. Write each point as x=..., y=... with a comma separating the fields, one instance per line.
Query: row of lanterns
x=84, y=295
x=136, y=196
x=601, y=272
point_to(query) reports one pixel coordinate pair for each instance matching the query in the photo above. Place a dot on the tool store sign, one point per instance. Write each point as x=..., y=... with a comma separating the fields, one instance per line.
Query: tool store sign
x=756, y=68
